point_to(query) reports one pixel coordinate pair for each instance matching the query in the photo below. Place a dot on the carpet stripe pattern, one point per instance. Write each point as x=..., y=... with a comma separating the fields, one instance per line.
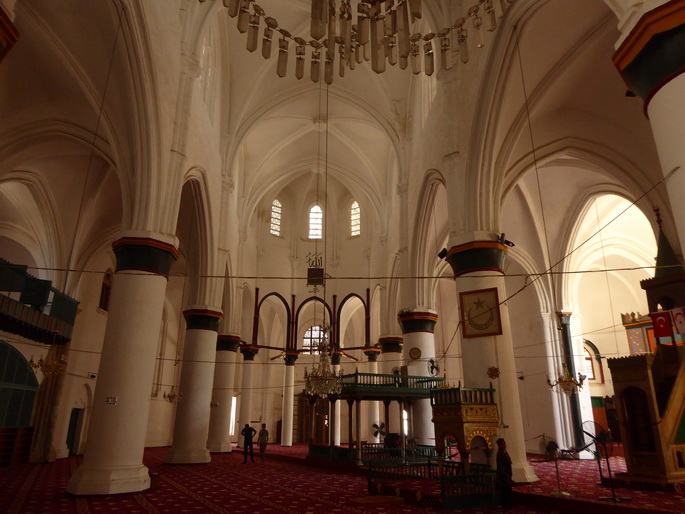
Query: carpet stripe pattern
x=284, y=483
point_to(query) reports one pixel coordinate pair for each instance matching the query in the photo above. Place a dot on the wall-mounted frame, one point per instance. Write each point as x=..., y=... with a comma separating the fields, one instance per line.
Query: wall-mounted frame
x=480, y=314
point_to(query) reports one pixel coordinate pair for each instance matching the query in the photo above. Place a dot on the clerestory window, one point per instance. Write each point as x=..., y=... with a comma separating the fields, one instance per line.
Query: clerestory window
x=355, y=220
x=275, y=227
x=315, y=222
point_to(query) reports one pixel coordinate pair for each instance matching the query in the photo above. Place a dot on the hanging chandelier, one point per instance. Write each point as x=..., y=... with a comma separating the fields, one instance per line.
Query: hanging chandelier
x=382, y=33
x=49, y=366
x=322, y=380
x=568, y=384
x=53, y=363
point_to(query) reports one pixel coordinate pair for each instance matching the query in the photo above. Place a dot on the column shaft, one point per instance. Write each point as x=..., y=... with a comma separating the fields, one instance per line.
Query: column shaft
x=288, y=400
x=191, y=426
x=390, y=360
x=113, y=460
x=651, y=60
x=335, y=414
x=489, y=358
x=373, y=407
x=219, y=439
x=419, y=353
x=249, y=353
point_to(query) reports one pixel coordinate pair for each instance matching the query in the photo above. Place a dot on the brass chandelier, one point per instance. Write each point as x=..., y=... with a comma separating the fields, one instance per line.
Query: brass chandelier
x=381, y=32
x=568, y=384
x=322, y=380
x=53, y=363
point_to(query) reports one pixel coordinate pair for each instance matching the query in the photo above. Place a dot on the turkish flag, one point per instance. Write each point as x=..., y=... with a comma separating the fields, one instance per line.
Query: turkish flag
x=678, y=315
x=662, y=324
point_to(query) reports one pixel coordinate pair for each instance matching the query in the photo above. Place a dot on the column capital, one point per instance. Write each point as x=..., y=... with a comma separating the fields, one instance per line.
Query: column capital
x=249, y=351
x=653, y=52
x=202, y=319
x=227, y=343
x=290, y=358
x=372, y=353
x=477, y=256
x=417, y=321
x=564, y=317
x=390, y=344
x=144, y=254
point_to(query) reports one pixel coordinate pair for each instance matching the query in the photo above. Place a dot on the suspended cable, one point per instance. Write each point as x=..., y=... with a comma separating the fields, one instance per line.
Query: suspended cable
x=101, y=109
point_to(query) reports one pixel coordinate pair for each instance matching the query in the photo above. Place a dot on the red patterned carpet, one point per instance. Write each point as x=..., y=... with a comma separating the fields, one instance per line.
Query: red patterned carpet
x=285, y=483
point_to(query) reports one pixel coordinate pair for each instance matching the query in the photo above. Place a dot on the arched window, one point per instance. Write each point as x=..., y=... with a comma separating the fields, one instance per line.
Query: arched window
x=19, y=388
x=355, y=220
x=106, y=291
x=312, y=338
x=315, y=222
x=593, y=364
x=275, y=218
x=589, y=365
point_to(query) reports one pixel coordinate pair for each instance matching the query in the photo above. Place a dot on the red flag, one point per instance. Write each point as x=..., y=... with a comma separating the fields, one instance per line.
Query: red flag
x=662, y=324
x=678, y=316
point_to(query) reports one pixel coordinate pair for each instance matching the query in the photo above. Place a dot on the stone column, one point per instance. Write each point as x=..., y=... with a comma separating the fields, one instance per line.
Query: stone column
x=419, y=352
x=486, y=346
x=358, y=423
x=373, y=410
x=651, y=60
x=45, y=410
x=335, y=413
x=569, y=360
x=350, y=437
x=219, y=440
x=390, y=359
x=191, y=426
x=249, y=352
x=288, y=398
x=113, y=460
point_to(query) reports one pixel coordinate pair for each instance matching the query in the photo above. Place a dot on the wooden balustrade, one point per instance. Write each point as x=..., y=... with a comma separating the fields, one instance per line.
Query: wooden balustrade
x=460, y=395
x=378, y=382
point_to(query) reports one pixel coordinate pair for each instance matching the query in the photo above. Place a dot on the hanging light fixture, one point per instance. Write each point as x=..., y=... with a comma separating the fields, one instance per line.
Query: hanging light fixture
x=52, y=364
x=322, y=380
x=379, y=31
x=171, y=395
x=568, y=384
x=49, y=366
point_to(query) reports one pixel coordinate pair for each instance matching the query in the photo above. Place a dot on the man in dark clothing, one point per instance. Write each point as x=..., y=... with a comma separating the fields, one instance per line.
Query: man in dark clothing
x=504, y=474
x=248, y=433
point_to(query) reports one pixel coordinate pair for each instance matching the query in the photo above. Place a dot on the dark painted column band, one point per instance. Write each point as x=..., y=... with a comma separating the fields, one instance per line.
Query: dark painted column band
x=654, y=51
x=290, y=358
x=249, y=351
x=477, y=256
x=417, y=321
x=574, y=400
x=372, y=353
x=144, y=254
x=390, y=344
x=202, y=319
x=227, y=343
x=336, y=357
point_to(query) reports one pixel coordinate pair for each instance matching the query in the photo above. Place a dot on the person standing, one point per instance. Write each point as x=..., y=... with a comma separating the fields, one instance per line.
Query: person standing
x=504, y=473
x=248, y=433
x=263, y=440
